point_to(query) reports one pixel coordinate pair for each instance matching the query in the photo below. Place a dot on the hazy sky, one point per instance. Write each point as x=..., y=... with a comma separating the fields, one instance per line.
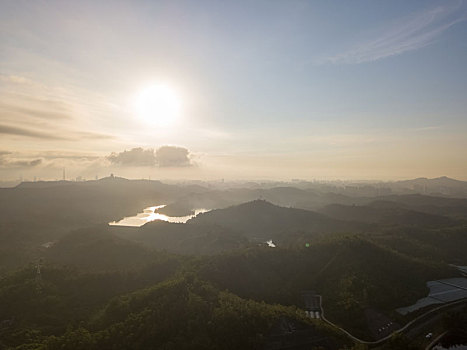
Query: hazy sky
x=266, y=89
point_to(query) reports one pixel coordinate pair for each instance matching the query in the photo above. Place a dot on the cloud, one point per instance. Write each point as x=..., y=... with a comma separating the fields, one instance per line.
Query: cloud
x=134, y=157
x=42, y=110
x=58, y=135
x=16, y=79
x=412, y=33
x=90, y=136
x=76, y=164
x=65, y=155
x=13, y=130
x=29, y=99
x=34, y=162
x=30, y=109
x=6, y=161
x=173, y=156
x=165, y=156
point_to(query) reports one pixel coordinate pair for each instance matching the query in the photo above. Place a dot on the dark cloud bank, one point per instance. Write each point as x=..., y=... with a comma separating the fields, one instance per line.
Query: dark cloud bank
x=165, y=156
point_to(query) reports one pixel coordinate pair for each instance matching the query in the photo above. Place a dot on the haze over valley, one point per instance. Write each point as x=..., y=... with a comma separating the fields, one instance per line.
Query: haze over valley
x=368, y=256
x=233, y=175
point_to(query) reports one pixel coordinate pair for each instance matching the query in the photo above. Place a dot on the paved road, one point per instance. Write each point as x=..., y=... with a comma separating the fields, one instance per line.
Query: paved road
x=429, y=346
x=400, y=330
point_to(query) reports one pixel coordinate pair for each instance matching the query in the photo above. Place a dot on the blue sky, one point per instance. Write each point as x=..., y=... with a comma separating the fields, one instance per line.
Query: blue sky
x=286, y=89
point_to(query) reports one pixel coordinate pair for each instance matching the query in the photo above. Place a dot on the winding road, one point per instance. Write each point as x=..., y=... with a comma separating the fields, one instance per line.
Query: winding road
x=400, y=330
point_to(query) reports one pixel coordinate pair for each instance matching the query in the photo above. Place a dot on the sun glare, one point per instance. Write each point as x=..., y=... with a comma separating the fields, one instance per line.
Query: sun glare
x=158, y=105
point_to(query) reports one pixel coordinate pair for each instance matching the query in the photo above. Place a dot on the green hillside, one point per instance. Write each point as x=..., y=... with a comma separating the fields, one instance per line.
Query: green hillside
x=180, y=313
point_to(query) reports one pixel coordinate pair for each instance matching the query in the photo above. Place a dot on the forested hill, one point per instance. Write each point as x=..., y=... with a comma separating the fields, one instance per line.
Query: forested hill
x=76, y=310
x=68, y=280
x=76, y=204
x=264, y=220
x=388, y=213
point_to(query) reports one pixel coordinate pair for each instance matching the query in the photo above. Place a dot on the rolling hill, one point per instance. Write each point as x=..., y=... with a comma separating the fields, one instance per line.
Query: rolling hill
x=387, y=213
x=262, y=220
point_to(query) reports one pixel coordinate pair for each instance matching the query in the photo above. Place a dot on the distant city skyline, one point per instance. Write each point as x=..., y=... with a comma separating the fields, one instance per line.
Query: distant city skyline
x=234, y=90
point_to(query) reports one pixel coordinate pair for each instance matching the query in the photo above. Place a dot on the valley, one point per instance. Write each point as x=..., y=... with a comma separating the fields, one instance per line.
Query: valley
x=90, y=280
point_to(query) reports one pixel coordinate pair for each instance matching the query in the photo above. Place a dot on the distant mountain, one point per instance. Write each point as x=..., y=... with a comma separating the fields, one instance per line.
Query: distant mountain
x=77, y=204
x=285, y=196
x=387, y=213
x=452, y=207
x=437, y=186
x=103, y=287
x=263, y=220
x=44, y=184
x=438, y=181
x=118, y=184
x=34, y=213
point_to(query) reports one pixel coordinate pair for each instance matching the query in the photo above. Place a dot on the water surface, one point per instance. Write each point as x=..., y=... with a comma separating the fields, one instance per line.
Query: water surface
x=150, y=214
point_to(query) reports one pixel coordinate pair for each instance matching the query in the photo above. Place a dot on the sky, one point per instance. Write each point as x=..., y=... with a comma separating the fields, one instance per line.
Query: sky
x=263, y=89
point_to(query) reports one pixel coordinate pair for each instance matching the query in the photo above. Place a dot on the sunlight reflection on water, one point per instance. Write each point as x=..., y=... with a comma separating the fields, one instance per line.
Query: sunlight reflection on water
x=150, y=214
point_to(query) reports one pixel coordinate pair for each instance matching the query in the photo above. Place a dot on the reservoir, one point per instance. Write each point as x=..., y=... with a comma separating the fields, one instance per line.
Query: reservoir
x=150, y=214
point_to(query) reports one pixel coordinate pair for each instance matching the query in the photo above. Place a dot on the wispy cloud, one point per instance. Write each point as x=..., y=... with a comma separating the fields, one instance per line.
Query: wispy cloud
x=411, y=33
x=428, y=128
x=29, y=109
x=18, y=131
x=57, y=135
x=33, y=111
x=15, y=79
x=7, y=161
x=90, y=136
x=47, y=162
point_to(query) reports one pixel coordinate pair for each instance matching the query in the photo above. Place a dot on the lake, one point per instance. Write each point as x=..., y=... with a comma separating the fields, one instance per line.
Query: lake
x=150, y=214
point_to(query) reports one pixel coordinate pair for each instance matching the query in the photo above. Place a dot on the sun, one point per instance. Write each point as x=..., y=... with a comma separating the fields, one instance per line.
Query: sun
x=158, y=104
